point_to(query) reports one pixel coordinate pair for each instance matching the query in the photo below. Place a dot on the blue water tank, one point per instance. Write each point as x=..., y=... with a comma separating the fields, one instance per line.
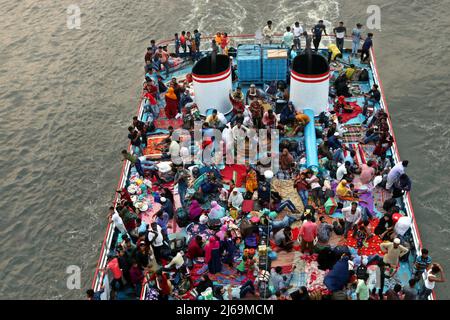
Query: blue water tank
x=274, y=68
x=249, y=63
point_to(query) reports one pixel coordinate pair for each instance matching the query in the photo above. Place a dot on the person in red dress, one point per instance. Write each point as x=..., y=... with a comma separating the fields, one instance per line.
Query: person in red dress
x=171, y=108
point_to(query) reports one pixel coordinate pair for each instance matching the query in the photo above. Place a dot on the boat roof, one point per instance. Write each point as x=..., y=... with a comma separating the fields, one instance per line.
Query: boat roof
x=306, y=266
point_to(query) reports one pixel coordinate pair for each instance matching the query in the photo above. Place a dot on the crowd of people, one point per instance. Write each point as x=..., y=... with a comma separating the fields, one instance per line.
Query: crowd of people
x=230, y=235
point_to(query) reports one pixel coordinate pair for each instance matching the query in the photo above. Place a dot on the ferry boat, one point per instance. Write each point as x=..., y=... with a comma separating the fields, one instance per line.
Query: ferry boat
x=209, y=80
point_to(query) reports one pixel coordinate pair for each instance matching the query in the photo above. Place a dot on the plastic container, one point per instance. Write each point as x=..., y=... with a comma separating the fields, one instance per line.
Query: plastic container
x=275, y=69
x=249, y=63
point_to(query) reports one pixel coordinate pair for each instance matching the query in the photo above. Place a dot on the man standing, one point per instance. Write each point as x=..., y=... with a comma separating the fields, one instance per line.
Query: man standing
x=118, y=222
x=298, y=31
x=308, y=232
x=182, y=180
x=317, y=34
x=393, y=251
x=356, y=39
x=431, y=279
x=352, y=215
x=197, y=39
x=422, y=264
x=340, y=32
x=164, y=59
x=288, y=39
x=268, y=32
x=365, y=53
x=362, y=291
x=410, y=291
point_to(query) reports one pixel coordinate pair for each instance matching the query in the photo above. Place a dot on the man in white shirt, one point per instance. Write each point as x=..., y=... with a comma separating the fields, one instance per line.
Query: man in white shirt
x=268, y=32
x=239, y=133
x=298, y=31
x=155, y=233
x=395, y=173
x=343, y=170
x=174, y=150
x=352, y=216
x=340, y=33
x=117, y=220
x=402, y=226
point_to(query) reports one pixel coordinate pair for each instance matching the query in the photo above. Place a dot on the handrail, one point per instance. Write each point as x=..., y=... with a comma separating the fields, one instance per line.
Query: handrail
x=396, y=155
x=101, y=263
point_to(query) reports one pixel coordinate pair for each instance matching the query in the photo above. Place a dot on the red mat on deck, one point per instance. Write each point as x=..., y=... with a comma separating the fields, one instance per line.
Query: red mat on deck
x=241, y=174
x=373, y=244
x=348, y=116
x=163, y=123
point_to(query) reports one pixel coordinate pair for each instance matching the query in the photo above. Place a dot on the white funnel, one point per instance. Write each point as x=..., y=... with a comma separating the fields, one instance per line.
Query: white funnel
x=310, y=82
x=212, y=84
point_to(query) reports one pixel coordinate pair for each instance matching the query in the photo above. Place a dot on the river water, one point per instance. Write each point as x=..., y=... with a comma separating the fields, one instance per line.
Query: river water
x=67, y=97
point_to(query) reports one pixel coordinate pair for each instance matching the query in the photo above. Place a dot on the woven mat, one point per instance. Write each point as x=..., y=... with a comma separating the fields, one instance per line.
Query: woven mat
x=353, y=134
x=226, y=276
x=287, y=191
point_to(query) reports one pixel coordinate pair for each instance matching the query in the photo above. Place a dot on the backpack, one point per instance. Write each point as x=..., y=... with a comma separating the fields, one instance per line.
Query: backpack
x=364, y=76
x=361, y=272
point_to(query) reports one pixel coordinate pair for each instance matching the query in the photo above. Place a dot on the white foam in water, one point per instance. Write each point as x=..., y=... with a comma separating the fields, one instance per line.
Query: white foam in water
x=307, y=12
x=211, y=16
x=217, y=15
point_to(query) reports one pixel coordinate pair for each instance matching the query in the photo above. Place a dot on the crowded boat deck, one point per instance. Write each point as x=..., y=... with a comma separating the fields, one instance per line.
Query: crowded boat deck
x=316, y=207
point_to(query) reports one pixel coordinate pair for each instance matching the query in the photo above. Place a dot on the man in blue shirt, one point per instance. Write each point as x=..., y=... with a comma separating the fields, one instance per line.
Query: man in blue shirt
x=197, y=38
x=356, y=38
x=365, y=52
x=422, y=263
x=317, y=34
x=91, y=295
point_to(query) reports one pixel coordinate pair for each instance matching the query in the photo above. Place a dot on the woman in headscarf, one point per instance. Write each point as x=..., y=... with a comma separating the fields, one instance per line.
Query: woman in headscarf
x=195, y=210
x=342, y=106
x=212, y=255
x=228, y=247
x=302, y=119
x=251, y=184
x=287, y=114
x=216, y=212
x=257, y=112
x=171, y=108
x=236, y=199
x=344, y=193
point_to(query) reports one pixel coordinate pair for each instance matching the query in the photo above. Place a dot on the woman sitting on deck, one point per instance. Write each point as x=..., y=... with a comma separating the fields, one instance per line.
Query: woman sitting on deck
x=216, y=212
x=212, y=255
x=287, y=115
x=195, y=211
x=341, y=106
x=344, y=192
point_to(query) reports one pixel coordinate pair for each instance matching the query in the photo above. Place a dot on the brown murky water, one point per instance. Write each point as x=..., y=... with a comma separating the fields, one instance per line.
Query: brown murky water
x=66, y=98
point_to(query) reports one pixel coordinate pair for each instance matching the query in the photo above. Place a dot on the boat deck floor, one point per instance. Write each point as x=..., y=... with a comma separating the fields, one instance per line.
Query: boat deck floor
x=306, y=272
